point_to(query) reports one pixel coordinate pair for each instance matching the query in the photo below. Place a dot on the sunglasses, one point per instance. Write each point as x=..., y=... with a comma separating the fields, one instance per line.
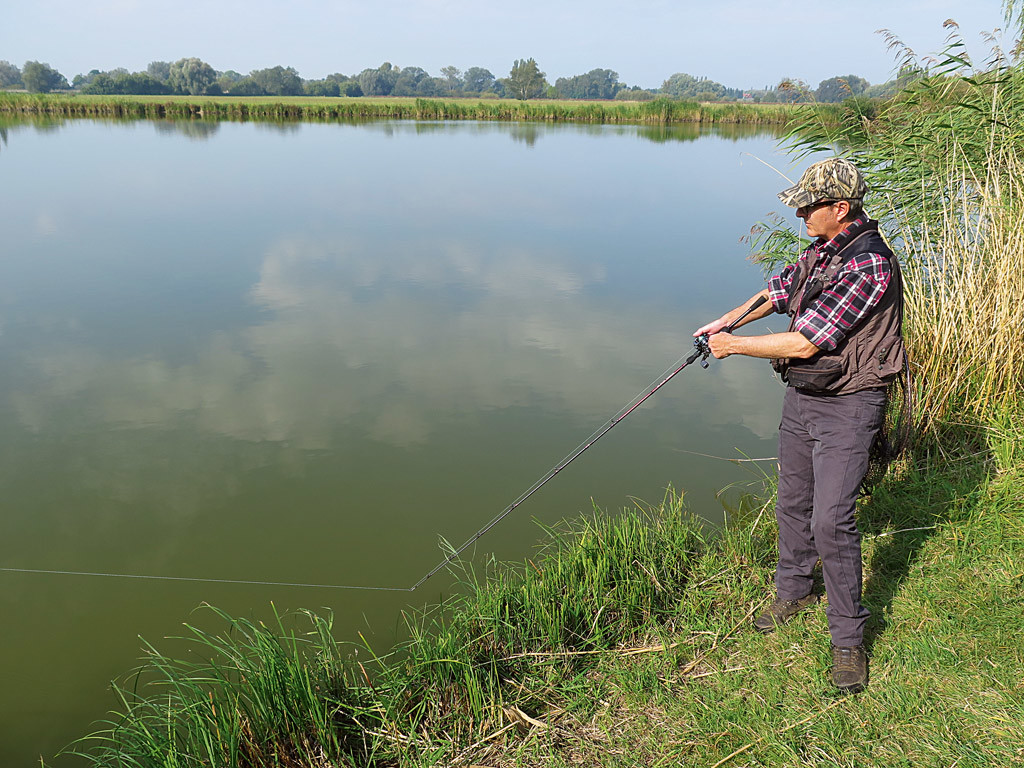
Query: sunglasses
x=809, y=209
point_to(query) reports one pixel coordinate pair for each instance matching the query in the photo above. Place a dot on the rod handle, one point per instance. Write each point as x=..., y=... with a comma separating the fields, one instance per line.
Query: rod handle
x=760, y=300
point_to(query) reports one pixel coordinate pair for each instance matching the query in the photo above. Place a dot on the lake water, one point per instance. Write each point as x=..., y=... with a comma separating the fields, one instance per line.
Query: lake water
x=308, y=353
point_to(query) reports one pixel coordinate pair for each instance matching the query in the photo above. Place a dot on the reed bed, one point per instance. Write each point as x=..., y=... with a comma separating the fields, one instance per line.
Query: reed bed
x=659, y=111
x=965, y=283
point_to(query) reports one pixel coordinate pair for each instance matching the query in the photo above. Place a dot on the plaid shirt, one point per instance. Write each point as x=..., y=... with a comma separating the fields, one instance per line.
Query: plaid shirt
x=856, y=291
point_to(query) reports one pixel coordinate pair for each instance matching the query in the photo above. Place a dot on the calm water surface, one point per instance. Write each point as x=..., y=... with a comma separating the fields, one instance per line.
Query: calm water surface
x=309, y=353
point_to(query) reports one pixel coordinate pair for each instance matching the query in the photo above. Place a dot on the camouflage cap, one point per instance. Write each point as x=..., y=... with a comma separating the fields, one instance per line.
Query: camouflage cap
x=833, y=179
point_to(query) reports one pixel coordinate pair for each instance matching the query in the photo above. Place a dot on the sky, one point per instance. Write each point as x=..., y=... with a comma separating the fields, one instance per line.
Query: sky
x=739, y=43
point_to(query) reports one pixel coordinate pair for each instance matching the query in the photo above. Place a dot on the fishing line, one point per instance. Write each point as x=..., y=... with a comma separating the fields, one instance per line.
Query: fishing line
x=702, y=351
x=204, y=580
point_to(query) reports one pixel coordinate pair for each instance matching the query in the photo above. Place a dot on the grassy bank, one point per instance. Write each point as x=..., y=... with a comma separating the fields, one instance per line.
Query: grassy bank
x=659, y=111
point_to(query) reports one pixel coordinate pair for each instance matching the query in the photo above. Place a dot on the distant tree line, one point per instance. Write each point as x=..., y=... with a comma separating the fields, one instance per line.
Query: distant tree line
x=525, y=80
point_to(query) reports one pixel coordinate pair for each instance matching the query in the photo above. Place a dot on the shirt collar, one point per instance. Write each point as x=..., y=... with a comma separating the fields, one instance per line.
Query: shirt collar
x=831, y=247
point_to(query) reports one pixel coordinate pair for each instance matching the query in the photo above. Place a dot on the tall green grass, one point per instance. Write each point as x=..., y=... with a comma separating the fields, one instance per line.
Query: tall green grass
x=251, y=695
x=659, y=111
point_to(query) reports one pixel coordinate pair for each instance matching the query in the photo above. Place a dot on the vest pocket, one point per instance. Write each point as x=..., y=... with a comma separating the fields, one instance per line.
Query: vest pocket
x=890, y=357
x=817, y=377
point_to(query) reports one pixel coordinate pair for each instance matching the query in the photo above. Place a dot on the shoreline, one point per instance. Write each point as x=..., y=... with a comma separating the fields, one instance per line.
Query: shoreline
x=300, y=108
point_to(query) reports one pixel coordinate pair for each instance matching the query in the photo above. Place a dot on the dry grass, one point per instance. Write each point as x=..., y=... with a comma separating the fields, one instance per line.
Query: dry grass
x=965, y=292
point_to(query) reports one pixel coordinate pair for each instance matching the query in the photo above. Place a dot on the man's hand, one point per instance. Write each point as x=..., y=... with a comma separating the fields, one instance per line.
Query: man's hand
x=721, y=345
x=713, y=327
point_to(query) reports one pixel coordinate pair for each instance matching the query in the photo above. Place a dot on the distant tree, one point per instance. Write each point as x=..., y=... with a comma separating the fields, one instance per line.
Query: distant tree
x=42, y=78
x=192, y=76
x=791, y=90
x=225, y=80
x=839, y=88
x=124, y=83
x=414, y=81
x=140, y=83
x=321, y=88
x=80, y=80
x=247, y=86
x=159, y=70
x=680, y=86
x=478, y=80
x=99, y=84
x=10, y=75
x=684, y=86
x=452, y=79
x=380, y=81
x=595, y=84
x=278, y=81
x=347, y=86
x=525, y=80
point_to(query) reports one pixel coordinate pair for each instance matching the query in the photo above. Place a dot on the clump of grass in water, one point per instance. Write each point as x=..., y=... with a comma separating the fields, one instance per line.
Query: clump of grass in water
x=253, y=696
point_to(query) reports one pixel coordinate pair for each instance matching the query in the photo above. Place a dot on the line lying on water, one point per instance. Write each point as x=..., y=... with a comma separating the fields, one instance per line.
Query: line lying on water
x=632, y=405
x=205, y=581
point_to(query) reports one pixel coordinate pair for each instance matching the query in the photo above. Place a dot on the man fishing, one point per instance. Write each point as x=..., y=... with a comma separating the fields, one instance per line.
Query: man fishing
x=844, y=297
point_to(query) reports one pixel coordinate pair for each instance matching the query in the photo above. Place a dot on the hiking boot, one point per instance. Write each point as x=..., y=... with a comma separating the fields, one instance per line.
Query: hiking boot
x=849, y=668
x=781, y=611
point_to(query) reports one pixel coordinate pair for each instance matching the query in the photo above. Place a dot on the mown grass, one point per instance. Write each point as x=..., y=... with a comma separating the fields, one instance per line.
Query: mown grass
x=659, y=111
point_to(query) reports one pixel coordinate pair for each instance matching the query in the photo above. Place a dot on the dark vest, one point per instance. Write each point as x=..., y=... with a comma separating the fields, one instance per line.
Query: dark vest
x=872, y=353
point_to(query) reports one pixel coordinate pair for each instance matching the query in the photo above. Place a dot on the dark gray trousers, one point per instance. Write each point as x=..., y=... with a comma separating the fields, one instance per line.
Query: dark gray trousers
x=823, y=456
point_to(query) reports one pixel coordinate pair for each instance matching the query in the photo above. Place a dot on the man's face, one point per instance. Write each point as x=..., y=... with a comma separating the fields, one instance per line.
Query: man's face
x=822, y=219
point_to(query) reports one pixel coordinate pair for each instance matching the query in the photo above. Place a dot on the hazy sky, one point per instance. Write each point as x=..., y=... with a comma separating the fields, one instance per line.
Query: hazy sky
x=739, y=43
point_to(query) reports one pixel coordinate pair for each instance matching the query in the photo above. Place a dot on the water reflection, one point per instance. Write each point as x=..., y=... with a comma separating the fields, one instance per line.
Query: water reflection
x=389, y=345
x=284, y=127
x=197, y=130
x=524, y=132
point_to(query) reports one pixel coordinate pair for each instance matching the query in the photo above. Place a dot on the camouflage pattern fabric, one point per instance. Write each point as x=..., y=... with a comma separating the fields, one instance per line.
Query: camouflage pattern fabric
x=833, y=179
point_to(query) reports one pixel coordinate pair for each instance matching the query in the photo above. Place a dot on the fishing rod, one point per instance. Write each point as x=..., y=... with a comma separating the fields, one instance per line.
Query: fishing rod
x=701, y=350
